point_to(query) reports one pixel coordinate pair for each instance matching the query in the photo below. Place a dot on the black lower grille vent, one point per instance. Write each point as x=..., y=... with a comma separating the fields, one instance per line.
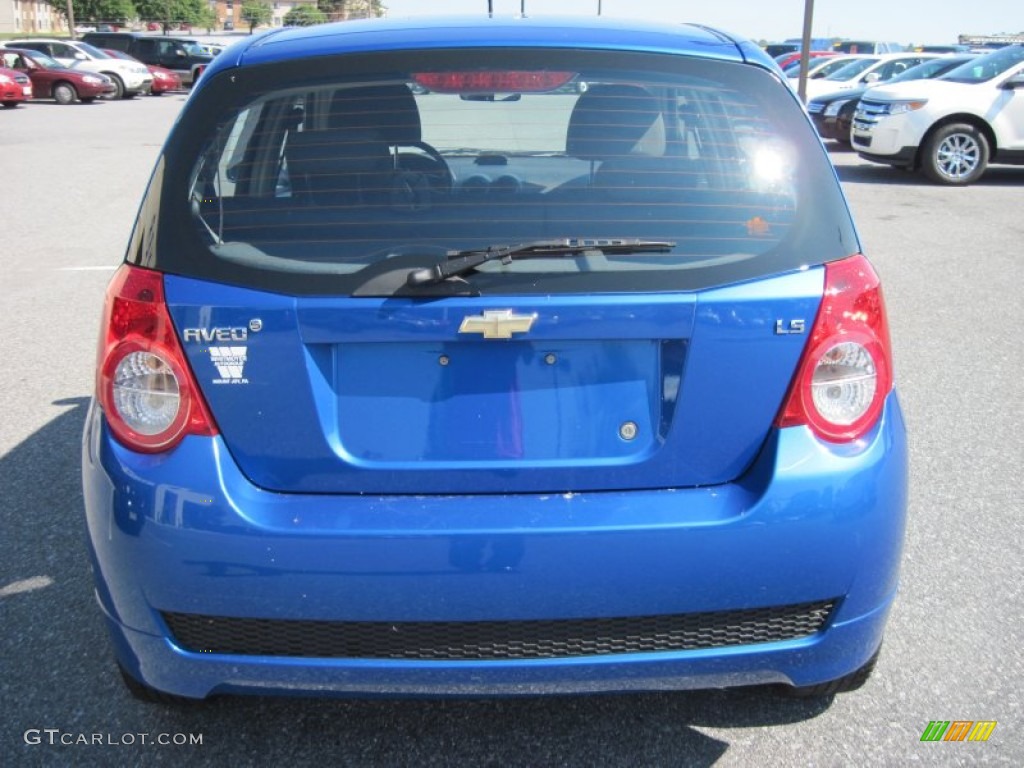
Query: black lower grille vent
x=484, y=640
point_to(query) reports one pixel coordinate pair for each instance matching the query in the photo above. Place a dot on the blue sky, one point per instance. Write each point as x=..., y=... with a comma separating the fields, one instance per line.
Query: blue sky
x=903, y=21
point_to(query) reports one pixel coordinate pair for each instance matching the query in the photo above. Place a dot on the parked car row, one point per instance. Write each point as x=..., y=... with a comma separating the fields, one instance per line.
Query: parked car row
x=950, y=128
x=112, y=65
x=835, y=45
x=185, y=57
x=865, y=69
x=130, y=78
x=832, y=113
x=47, y=78
x=949, y=117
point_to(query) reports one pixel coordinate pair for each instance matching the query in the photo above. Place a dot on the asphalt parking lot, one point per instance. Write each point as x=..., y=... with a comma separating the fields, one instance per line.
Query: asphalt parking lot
x=952, y=270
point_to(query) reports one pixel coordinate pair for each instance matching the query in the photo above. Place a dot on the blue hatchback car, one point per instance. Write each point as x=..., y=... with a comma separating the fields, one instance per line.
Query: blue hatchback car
x=494, y=356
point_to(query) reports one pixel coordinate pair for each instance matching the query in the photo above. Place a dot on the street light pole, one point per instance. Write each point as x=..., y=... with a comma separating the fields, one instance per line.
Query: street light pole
x=805, y=49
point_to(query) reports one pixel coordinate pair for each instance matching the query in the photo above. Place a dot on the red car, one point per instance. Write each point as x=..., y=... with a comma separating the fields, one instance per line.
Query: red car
x=164, y=79
x=789, y=58
x=50, y=80
x=15, y=87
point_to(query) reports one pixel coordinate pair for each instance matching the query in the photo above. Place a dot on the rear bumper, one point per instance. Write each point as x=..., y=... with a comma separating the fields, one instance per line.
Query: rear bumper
x=832, y=127
x=186, y=533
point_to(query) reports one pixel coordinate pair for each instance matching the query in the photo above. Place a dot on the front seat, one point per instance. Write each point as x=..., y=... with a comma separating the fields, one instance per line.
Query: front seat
x=620, y=129
x=390, y=112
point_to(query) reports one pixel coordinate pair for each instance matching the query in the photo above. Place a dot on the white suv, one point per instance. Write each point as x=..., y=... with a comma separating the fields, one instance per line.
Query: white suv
x=952, y=127
x=130, y=78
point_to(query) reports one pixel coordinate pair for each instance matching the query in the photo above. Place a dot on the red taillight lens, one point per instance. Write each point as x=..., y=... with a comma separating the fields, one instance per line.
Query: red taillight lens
x=143, y=381
x=846, y=370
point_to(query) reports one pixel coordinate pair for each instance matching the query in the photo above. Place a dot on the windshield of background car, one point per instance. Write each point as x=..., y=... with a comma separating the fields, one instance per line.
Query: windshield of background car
x=92, y=51
x=988, y=66
x=44, y=61
x=852, y=69
x=928, y=69
x=824, y=70
x=319, y=175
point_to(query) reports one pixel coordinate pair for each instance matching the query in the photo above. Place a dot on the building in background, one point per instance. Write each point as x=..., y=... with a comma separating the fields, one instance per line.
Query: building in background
x=30, y=17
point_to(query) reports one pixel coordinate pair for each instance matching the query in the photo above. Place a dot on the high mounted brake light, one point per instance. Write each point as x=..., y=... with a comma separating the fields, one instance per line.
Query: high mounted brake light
x=845, y=373
x=508, y=81
x=143, y=380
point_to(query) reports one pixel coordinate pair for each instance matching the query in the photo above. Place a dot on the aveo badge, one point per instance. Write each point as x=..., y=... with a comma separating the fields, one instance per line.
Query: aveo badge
x=228, y=358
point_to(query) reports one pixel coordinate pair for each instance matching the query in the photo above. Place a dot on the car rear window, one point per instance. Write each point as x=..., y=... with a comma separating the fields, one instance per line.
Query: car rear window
x=325, y=175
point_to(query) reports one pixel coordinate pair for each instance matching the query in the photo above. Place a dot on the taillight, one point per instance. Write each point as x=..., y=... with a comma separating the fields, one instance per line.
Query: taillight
x=846, y=370
x=143, y=381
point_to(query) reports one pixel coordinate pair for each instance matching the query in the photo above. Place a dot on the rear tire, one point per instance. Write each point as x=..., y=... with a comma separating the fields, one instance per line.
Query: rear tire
x=65, y=93
x=844, y=684
x=11, y=104
x=955, y=154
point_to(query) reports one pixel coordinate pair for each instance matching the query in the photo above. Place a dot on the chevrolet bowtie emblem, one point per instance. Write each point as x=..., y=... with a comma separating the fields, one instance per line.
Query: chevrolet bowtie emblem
x=497, y=323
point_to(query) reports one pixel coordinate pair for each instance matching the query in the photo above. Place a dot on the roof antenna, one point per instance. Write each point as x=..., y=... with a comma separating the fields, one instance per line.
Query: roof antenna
x=490, y=8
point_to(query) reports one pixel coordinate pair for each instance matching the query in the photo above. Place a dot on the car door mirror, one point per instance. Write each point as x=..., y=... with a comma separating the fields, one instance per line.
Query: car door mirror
x=872, y=77
x=1017, y=81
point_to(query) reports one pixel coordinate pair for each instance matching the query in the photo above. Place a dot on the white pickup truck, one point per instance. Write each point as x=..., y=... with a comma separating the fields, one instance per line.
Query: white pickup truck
x=952, y=127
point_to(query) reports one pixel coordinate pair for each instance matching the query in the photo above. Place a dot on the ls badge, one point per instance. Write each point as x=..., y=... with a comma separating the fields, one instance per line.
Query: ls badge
x=795, y=326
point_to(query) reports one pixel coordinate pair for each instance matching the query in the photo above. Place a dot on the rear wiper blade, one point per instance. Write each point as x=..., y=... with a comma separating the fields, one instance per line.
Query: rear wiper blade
x=460, y=262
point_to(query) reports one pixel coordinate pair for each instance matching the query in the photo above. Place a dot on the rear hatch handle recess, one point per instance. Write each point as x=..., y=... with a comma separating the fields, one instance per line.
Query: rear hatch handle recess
x=458, y=263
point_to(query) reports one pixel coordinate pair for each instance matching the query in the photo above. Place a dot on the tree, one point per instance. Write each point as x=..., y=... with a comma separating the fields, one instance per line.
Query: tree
x=304, y=16
x=173, y=12
x=110, y=11
x=341, y=10
x=254, y=13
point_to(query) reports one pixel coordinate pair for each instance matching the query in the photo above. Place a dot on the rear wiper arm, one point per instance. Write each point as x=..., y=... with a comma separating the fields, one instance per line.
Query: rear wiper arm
x=460, y=262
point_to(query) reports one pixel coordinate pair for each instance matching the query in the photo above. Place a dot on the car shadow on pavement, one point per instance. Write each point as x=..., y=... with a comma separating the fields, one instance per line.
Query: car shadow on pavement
x=61, y=685
x=866, y=172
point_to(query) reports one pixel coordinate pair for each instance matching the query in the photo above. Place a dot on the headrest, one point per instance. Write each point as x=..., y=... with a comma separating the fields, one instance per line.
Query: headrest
x=335, y=151
x=388, y=110
x=609, y=120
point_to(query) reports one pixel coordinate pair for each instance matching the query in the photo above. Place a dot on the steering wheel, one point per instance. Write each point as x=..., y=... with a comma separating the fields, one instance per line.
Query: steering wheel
x=430, y=164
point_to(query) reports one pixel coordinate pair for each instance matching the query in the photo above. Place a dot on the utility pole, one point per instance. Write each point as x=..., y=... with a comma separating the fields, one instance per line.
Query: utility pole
x=805, y=52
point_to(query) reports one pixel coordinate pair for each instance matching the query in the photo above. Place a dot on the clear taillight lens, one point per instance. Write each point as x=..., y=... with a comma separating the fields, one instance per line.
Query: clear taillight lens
x=844, y=383
x=146, y=392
